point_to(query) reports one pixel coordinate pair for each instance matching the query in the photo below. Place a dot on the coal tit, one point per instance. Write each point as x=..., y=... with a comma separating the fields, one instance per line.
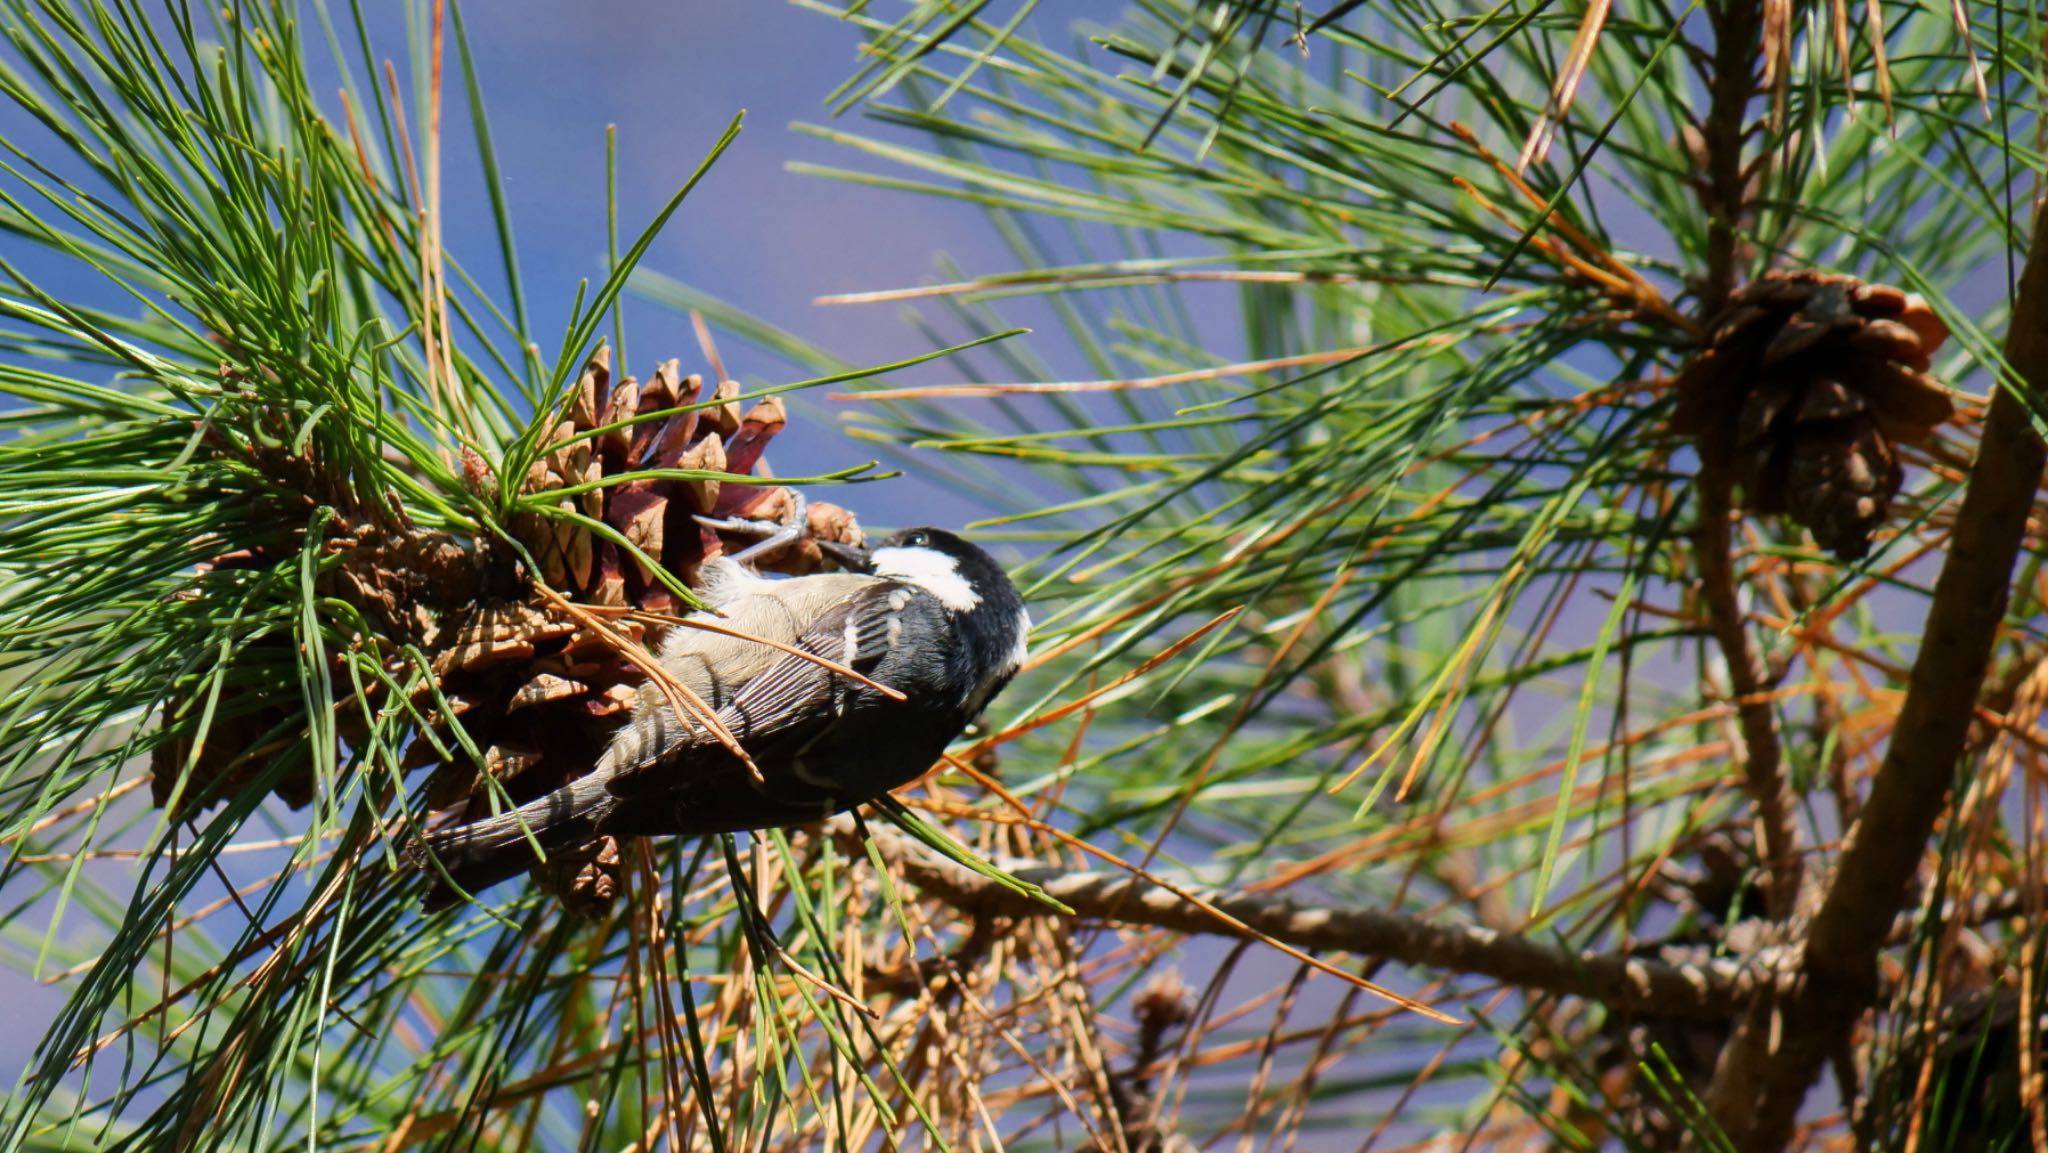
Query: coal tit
x=932, y=616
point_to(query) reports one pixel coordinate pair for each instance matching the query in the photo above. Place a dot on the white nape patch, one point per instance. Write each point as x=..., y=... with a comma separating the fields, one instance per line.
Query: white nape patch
x=930, y=570
x=727, y=580
x=1023, y=652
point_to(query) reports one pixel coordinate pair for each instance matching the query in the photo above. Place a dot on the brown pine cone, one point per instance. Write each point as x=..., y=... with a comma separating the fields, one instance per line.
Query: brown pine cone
x=1807, y=383
x=585, y=880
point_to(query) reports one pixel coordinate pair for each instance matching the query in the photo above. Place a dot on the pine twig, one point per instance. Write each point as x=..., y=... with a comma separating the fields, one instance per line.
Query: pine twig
x=1760, y=1086
x=1762, y=755
x=1637, y=984
x=1738, y=31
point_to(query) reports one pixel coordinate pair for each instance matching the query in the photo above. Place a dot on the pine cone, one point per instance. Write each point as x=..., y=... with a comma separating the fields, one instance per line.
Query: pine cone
x=585, y=880
x=1807, y=383
x=655, y=515
x=1162, y=1007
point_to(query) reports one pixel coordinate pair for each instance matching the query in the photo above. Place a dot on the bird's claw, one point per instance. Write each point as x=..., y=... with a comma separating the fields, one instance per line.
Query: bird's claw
x=774, y=535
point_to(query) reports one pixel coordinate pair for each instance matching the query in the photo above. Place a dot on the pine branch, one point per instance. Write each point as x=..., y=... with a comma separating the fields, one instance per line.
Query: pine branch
x=1762, y=754
x=1759, y=1088
x=1738, y=37
x=1738, y=30
x=1710, y=990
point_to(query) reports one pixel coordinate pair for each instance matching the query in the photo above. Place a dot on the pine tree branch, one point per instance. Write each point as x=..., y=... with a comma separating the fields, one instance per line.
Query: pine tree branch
x=1738, y=37
x=1714, y=989
x=1777, y=1055
x=1762, y=753
x=1738, y=40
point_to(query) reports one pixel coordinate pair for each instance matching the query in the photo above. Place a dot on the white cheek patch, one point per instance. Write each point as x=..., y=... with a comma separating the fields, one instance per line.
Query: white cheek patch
x=930, y=570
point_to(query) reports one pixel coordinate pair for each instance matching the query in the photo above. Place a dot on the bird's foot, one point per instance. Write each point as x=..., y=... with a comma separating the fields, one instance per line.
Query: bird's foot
x=772, y=536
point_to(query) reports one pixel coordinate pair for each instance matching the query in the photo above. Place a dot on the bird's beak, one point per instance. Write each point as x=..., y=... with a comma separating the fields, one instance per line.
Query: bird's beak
x=846, y=556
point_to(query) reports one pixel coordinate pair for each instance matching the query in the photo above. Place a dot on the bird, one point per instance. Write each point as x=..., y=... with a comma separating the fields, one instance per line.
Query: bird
x=926, y=614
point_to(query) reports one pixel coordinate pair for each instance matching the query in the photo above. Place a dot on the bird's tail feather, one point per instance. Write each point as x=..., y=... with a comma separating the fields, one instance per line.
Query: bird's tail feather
x=473, y=857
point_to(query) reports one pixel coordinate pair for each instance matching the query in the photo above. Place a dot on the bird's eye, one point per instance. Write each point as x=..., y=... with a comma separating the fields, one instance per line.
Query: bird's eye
x=918, y=539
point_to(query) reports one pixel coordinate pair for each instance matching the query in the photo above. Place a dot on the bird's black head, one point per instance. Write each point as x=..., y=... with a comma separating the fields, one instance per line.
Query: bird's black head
x=964, y=578
x=987, y=610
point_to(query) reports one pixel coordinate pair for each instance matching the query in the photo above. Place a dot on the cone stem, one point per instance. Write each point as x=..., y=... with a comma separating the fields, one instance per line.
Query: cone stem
x=1738, y=35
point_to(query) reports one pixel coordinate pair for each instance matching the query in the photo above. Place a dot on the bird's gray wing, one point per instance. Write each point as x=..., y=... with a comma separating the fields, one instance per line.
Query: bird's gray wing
x=795, y=701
